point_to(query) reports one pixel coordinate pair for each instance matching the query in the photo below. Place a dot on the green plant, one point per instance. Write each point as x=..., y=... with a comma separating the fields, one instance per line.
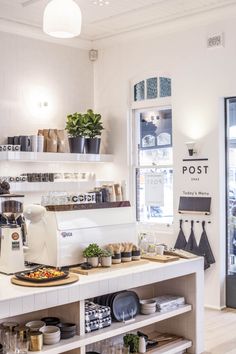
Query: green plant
x=75, y=125
x=92, y=124
x=93, y=250
x=132, y=341
x=105, y=253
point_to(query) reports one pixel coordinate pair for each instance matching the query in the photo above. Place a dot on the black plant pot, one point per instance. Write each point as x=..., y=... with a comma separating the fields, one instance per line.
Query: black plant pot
x=77, y=144
x=92, y=145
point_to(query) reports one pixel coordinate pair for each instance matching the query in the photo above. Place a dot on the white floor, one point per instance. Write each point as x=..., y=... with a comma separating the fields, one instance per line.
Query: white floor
x=220, y=332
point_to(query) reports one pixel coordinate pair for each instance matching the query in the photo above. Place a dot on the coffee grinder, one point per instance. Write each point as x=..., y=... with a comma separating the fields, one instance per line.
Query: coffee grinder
x=11, y=240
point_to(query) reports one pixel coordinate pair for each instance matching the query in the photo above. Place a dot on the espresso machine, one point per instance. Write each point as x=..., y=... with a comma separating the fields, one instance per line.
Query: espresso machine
x=11, y=234
x=57, y=236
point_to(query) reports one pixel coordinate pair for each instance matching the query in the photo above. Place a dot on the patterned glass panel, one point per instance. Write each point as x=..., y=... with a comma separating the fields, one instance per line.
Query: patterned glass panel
x=165, y=87
x=152, y=88
x=139, y=91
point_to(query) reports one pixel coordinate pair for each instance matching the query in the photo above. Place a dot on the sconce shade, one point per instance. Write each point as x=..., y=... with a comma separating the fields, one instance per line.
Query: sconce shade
x=62, y=19
x=191, y=148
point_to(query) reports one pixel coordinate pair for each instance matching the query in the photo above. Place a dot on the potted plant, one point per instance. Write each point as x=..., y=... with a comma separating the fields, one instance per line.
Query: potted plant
x=105, y=257
x=92, y=253
x=75, y=127
x=131, y=341
x=93, y=130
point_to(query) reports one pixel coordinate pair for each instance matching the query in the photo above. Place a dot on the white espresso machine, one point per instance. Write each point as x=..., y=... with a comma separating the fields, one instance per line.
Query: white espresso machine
x=58, y=236
x=11, y=238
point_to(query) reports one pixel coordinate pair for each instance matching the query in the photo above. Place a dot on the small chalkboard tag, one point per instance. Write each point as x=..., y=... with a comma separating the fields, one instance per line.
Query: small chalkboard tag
x=195, y=205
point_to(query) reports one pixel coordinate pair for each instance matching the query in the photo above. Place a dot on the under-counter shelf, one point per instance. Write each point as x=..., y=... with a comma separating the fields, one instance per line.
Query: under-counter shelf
x=22, y=156
x=172, y=348
x=118, y=328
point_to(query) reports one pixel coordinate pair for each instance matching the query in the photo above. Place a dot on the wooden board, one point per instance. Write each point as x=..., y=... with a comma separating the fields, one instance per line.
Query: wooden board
x=162, y=344
x=88, y=206
x=124, y=265
x=71, y=279
x=161, y=259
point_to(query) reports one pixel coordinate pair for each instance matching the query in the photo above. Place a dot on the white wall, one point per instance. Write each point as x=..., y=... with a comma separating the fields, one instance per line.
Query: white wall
x=32, y=71
x=201, y=78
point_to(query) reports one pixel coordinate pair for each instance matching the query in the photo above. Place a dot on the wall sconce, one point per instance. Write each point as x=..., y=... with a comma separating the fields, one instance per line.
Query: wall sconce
x=43, y=104
x=191, y=148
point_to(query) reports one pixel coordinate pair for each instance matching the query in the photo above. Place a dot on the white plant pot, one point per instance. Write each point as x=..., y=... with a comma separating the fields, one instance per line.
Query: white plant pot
x=106, y=261
x=94, y=261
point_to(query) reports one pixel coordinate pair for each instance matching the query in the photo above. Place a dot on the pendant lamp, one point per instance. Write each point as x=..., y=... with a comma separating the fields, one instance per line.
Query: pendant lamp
x=62, y=19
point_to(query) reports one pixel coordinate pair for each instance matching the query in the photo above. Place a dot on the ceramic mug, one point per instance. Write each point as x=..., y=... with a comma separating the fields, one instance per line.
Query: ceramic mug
x=25, y=143
x=40, y=143
x=34, y=143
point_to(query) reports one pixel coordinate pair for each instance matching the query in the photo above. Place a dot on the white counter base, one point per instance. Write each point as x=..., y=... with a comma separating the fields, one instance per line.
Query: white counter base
x=184, y=277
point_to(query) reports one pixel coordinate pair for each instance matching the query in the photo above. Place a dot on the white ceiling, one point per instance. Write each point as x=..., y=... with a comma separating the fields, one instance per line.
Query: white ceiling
x=120, y=16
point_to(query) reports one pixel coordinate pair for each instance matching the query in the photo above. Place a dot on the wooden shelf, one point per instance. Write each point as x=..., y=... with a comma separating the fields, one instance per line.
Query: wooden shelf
x=21, y=156
x=88, y=206
x=118, y=328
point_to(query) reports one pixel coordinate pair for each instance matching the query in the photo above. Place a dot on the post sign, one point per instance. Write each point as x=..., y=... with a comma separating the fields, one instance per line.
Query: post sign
x=154, y=189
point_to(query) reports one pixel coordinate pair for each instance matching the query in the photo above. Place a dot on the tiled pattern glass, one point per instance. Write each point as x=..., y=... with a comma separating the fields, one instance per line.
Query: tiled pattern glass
x=152, y=88
x=165, y=87
x=139, y=91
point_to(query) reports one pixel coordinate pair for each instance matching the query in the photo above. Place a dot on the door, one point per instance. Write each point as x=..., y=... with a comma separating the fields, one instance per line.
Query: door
x=230, y=130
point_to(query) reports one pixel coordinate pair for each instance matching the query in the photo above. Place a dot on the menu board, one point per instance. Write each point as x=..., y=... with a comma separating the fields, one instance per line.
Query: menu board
x=154, y=189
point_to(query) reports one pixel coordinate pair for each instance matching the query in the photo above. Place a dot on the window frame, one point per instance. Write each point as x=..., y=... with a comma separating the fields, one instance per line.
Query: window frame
x=160, y=103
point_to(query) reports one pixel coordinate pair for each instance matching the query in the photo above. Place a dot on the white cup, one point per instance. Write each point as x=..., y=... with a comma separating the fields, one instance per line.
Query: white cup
x=40, y=141
x=160, y=250
x=34, y=143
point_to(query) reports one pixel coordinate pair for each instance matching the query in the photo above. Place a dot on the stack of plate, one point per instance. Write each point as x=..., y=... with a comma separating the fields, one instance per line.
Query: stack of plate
x=51, y=335
x=68, y=330
x=124, y=304
x=148, y=306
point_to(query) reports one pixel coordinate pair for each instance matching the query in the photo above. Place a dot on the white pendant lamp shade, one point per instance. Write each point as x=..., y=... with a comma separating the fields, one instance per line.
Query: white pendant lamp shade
x=62, y=19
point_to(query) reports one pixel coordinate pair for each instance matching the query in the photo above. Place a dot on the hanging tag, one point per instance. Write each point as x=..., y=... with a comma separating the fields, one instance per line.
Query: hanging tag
x=154, y=189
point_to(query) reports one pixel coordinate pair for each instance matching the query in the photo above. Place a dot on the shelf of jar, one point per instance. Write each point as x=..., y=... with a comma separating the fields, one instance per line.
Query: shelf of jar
x=21, y=156
x=118, y=328
x=60, y=186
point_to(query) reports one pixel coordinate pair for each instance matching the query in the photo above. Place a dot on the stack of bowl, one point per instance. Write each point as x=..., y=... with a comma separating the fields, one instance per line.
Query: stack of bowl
x=147, y=307
x=68, y=330
x=51, y=321
x=51, y=335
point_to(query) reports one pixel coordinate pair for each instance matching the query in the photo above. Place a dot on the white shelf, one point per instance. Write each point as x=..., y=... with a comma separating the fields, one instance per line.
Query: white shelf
x=62, y=186
x=116, y=329
x=20, y=156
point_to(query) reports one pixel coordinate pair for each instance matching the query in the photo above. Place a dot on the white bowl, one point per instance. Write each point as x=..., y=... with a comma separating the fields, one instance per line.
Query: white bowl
x=45, y=337
x=51, y=341
x=51, y=330
x=149, y=302
x=36, y=325
x=148, y=311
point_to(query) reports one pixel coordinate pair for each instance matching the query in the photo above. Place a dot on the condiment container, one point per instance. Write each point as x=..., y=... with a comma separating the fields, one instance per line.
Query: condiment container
x=36, y=341
x=126, y=256
x=136, y=255
x=116, y=258
x=142, y=345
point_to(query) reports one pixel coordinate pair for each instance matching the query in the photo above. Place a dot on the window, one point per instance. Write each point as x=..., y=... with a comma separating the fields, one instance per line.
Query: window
x=154, y=170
